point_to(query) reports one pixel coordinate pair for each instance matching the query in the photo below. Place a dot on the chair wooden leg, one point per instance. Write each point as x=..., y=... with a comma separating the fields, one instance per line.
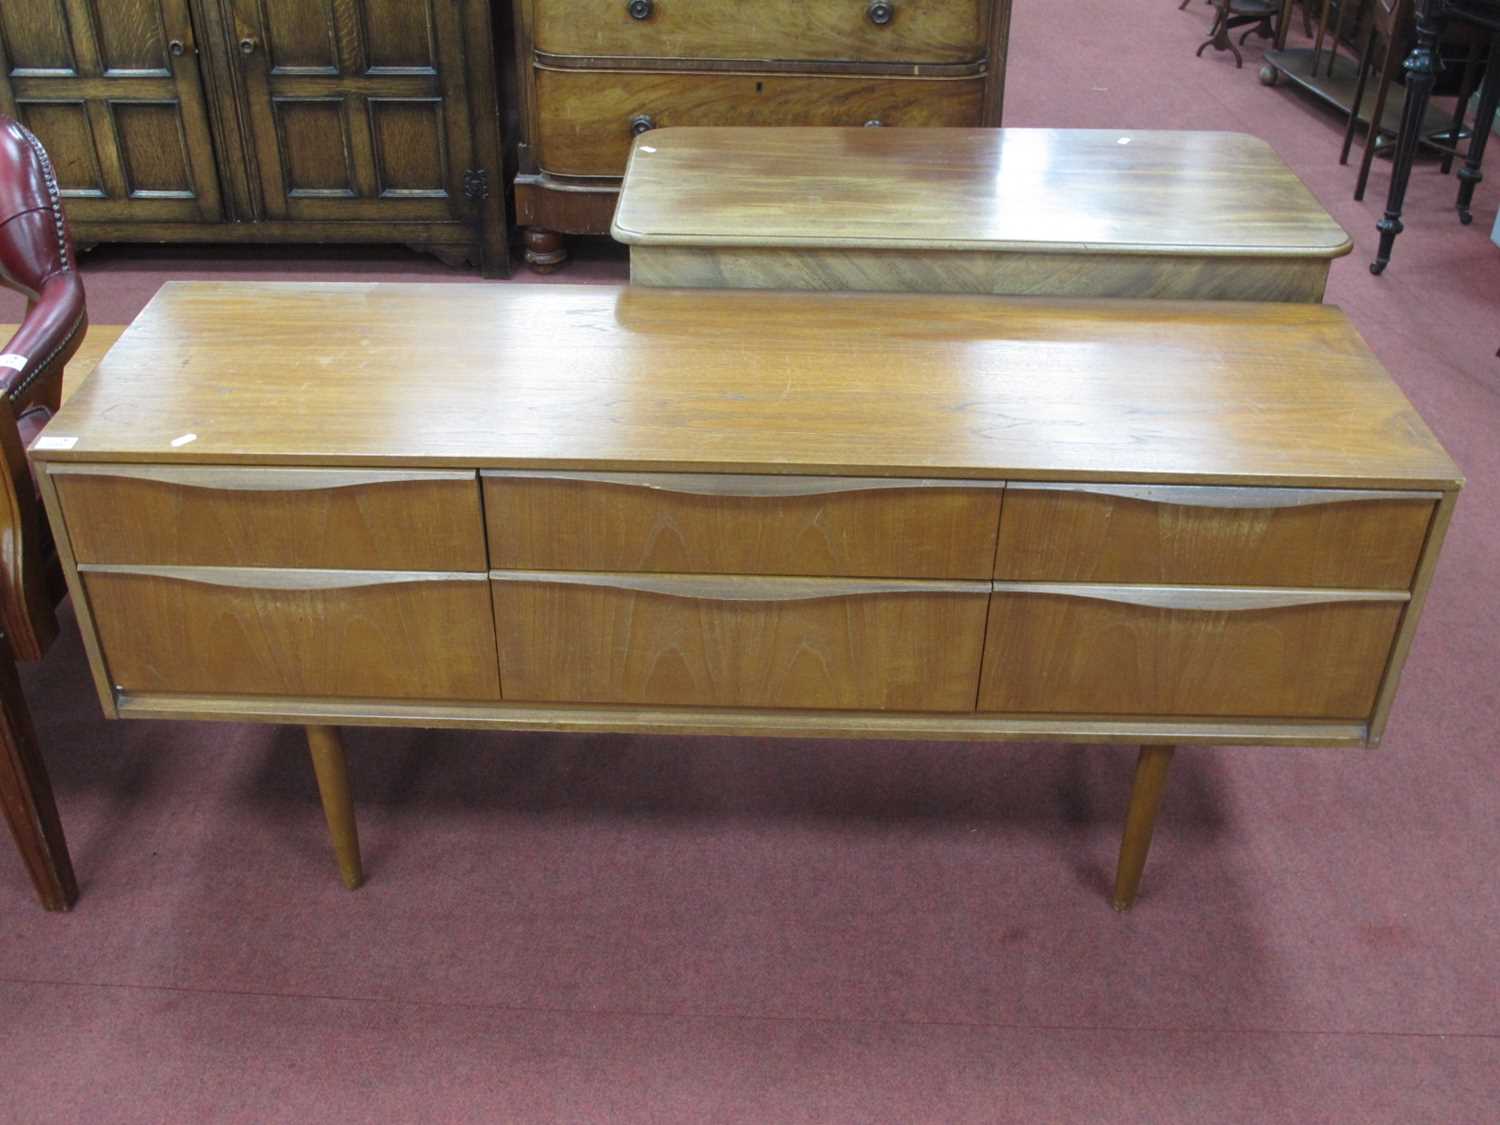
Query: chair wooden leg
x=26, y=795
x=1461, y=104
x=1359, y=96
x=1372, y=134
x=1140, y=821
x=327, y=751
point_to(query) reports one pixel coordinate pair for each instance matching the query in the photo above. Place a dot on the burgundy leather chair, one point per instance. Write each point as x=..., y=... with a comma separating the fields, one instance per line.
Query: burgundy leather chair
x=37, y=260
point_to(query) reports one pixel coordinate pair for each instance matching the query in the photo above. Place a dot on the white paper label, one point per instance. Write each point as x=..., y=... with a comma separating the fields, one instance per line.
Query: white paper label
x=13, y=361
x=47, y=441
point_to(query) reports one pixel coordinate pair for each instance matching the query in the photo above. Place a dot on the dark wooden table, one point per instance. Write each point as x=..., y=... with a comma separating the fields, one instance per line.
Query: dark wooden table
x=1421, y=72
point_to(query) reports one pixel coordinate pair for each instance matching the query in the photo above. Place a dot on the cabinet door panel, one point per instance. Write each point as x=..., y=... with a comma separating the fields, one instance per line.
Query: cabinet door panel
x=114, y=93
x=36, y=36
x=357, y=109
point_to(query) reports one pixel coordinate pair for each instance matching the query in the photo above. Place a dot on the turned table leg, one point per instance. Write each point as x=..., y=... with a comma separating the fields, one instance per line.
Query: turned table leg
x=1140, y=821
x=545, y=251
x=1489, y=96
x=26, y=796
x=333, y=785
x=1421, y=72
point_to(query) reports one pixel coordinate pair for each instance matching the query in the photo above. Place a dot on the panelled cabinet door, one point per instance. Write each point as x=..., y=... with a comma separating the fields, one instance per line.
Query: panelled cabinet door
x=114, y=93
x=356, y=108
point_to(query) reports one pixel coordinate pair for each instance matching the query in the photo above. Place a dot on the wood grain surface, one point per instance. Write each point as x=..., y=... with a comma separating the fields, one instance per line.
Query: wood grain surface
x=633, y=524
x=584, y=116
x=1067, y=535
x=790, y=723
x=187, y=516
x=1064, y=190
x=820, y=643
x=922, y=31
x=1079, y=655
x=644, y=380
x=1018, y=273
x=390, y=640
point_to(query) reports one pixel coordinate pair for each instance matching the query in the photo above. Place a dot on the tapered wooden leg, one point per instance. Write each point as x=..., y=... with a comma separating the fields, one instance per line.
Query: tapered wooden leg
x=1140, y=821
x=333, y=784
x=26, y=795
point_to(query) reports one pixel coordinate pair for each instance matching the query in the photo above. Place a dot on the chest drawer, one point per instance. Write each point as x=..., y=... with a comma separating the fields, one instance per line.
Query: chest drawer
x=739, y=642
x=1212, y=536
x=1186, y=652
x=345, y=634
x=586, y=118
x=714, y=524
x=916, y=31
x=336, y=518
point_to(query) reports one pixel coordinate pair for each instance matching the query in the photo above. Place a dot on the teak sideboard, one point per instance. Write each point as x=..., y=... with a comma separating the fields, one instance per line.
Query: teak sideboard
x=594, y=74
x=687, y=511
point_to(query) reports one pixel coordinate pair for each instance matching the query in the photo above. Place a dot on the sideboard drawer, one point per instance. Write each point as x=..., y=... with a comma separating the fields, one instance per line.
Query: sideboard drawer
x=1212, y=536
x=346, y=634
x=586, y=118
x=739, y=642
x=212, y=516
x=916, y=31
x=1179, y=651
x=723, y=524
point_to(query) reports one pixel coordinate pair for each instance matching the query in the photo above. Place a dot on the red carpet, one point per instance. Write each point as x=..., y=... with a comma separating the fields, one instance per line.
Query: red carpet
x=634, y=929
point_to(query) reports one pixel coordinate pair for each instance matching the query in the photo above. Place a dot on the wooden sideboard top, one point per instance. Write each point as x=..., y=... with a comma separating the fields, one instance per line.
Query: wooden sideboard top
x=605, y=378
x=1056, y=190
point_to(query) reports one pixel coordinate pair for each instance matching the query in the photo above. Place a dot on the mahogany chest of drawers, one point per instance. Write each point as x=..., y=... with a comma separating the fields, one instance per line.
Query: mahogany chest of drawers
x=594, y=74
x=840, y=515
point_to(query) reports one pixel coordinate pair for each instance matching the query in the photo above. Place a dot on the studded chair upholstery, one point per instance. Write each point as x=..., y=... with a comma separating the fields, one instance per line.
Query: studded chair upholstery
x=36, y=260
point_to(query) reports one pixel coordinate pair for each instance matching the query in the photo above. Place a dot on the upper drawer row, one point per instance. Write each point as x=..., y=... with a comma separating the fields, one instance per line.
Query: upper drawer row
x=723, y=524
x=915, y=31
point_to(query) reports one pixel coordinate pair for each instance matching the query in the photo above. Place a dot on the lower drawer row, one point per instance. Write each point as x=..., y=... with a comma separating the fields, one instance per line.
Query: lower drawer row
x=716, y=641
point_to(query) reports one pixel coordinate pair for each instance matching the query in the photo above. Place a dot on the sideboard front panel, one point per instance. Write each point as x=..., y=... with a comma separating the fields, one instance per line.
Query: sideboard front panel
x=352, y=635
x=689, y=524
x=1079, y=653
x=739, y=642
x=288, y=518
x=1212, y=536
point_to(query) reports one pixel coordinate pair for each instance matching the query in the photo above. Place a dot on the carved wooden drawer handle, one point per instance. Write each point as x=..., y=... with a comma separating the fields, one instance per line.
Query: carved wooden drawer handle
x=261, y=480
x=640, y=9
x=736, y=589
x=1213, y=496
x=747, y=485
x=1214, y=599
x=881, y=12
x=270, y=578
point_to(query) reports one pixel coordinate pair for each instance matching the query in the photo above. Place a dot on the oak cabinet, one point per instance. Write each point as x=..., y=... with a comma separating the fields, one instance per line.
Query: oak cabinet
x=266, y=120
x=594, y=74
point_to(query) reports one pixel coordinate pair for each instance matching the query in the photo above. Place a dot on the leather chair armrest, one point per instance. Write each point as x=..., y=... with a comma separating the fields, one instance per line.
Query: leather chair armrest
x=31, y=363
